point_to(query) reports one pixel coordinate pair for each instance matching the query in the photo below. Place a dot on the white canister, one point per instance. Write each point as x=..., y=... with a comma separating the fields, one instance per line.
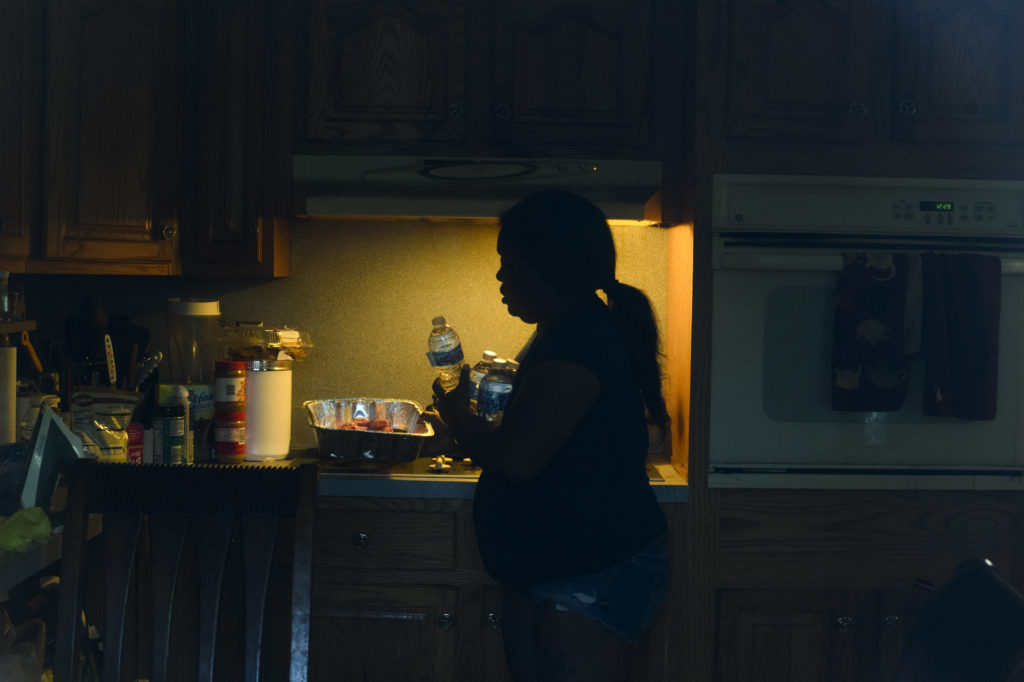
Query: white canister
x=268, y=409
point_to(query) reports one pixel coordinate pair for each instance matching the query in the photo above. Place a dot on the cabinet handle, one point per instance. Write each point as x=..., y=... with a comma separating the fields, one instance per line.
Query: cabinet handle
x=165, y=232
x=503, y=111
x=908, y=107
x=858, y=109
x=891, y=623
x=360, y=540
x=493, y=620
x=455, y=111
x=843, y=623
x=445, y=621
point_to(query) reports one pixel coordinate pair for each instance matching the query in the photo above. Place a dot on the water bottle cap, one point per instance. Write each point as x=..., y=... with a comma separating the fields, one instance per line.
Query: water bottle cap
x=490, y=354
x=438, y=321
x=500, y=362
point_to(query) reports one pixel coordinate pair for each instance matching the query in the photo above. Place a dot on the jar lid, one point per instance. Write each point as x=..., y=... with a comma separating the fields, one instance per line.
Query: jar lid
x=268, y=365
x=229, y=364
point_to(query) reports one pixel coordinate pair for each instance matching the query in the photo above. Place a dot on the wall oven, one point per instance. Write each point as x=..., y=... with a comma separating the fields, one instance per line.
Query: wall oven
x=800, y=400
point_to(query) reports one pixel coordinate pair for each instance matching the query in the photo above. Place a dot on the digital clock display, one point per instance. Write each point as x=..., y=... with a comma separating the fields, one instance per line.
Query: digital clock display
x=943, y=206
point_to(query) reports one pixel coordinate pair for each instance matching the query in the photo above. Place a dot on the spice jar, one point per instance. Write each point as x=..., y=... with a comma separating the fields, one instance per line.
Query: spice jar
x=229, y=411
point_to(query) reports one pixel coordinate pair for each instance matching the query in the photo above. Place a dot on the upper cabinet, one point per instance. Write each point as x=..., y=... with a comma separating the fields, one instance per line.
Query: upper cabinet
x=904, y=86
x=20, y=106
x=801, y=70
x=957, y=71
x=509, y=77
x=145, y=138
x=113, y=136
x=238, y=123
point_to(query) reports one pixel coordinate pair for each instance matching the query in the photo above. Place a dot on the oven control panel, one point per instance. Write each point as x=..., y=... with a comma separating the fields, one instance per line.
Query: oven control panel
x=787, y=203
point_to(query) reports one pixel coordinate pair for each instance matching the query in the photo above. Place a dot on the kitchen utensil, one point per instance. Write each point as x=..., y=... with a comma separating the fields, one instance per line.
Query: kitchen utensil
x=403, y=444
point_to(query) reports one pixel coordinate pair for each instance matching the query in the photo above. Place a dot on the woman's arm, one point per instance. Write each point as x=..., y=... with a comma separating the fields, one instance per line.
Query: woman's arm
x=552, y=400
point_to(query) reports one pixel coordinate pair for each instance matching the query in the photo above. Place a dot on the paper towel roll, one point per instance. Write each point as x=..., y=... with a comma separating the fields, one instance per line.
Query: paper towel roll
x=8, y=394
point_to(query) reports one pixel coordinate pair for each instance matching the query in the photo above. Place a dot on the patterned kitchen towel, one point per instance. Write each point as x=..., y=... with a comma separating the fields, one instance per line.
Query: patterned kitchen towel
x=870, y=362
x=960, y=334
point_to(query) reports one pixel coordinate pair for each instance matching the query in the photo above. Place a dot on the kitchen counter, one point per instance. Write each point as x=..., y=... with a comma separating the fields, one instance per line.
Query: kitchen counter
x=413, y=480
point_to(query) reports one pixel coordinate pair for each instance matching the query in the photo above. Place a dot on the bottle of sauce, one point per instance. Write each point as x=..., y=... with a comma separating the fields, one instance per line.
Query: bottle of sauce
x=229, y=411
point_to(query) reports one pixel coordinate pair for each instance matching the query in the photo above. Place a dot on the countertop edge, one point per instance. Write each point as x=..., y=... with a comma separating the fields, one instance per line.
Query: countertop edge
x=334, y=483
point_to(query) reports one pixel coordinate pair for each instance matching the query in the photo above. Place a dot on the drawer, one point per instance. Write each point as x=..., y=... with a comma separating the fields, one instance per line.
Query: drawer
x=384, y=540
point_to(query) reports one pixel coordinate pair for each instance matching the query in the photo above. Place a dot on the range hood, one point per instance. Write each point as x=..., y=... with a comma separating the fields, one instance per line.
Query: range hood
x=464, y=187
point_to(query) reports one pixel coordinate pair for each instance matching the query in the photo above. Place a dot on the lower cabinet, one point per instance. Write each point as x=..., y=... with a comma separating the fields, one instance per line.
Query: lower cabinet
x=813, y=635
x=398, y=594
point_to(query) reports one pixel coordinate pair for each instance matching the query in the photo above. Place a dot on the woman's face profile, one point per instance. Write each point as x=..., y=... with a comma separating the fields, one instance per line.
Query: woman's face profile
x=524, y=291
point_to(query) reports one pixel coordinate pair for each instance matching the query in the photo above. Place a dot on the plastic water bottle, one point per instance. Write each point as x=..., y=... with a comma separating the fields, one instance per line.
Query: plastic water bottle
x=476, y=375
x=445, y=353
x=495, y=388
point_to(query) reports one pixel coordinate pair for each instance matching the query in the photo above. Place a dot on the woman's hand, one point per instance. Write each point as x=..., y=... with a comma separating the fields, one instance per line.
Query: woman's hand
x=454, y=403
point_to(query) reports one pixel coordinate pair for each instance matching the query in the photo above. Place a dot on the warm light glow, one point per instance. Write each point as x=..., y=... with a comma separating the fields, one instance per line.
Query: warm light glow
x=619, y=222
x=678, y=339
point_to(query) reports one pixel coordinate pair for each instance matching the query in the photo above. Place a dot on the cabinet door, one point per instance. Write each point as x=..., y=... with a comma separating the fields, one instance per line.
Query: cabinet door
x=492, y=647
x=957, y=69
x=804, y=70
x=385, y=632
x=898, y=613
x=113, y=134
x=795, y=636
x=21, y=82
x=572, y=76
x=238, y=79
x=386, y=72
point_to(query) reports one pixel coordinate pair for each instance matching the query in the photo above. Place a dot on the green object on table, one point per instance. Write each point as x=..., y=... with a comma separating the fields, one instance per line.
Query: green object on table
x=22, y=528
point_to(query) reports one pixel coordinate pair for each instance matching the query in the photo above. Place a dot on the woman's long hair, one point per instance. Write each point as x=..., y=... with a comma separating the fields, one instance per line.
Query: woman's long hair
x=567, y=238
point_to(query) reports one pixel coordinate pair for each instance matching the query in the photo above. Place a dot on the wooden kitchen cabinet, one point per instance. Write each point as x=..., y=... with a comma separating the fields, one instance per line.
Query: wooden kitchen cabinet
x=828, y=584
x=113, y=137
x=914, y=87
x=238, y=123
x=399, y=593
x=509, y=78
x=928, y=71
x=810, y=635
x=21, y=33
x=153, y=136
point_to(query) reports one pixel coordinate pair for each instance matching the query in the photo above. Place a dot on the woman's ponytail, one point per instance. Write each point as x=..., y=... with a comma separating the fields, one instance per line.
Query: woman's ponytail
x=633, y=318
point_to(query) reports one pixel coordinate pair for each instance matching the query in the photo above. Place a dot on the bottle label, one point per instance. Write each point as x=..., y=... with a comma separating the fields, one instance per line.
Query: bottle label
x=445, y=358
x=229, y=390
x=493, y=396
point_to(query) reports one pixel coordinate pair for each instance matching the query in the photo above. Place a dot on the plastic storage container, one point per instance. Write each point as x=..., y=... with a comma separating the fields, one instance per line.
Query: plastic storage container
x=268, y=409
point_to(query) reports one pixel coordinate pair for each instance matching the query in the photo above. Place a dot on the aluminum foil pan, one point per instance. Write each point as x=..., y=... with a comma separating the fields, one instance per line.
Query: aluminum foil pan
x=403, y=444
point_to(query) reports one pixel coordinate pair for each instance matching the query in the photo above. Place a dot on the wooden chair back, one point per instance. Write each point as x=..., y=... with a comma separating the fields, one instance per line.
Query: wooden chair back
x=177, y=581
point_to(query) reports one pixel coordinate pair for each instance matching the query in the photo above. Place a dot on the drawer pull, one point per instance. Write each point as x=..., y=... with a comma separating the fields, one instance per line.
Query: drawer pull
x=445, y=621
x=358, y=614
x=493, y=620
x=843, y=623
x=360, y=540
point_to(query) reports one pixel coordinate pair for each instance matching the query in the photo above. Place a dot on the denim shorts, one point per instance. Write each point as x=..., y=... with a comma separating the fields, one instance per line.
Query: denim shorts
x=623, y=597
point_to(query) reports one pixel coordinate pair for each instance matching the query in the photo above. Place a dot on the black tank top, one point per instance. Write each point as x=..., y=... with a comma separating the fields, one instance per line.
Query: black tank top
x=593, y=505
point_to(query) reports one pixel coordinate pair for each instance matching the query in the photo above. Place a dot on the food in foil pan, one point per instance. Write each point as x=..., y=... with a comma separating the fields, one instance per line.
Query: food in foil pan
x=342, y=427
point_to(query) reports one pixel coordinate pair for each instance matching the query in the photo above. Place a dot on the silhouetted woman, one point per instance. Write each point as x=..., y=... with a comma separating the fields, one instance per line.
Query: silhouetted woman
x=564, y=513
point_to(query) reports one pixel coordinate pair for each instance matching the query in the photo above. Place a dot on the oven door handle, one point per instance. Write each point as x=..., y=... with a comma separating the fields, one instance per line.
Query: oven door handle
x=814, y=262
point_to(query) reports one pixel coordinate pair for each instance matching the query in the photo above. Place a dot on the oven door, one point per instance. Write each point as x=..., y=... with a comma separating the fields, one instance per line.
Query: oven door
x=772, y=424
